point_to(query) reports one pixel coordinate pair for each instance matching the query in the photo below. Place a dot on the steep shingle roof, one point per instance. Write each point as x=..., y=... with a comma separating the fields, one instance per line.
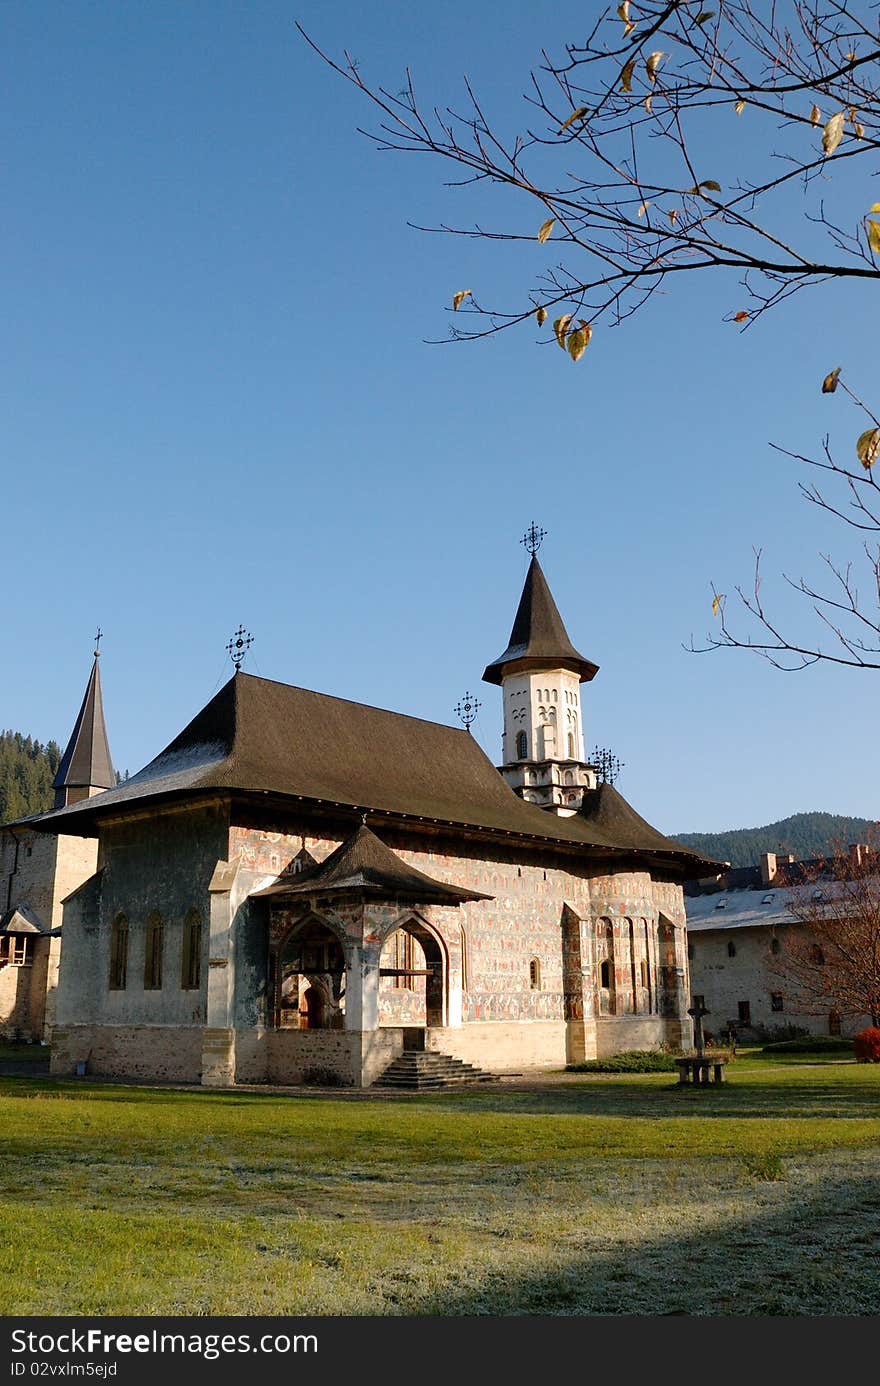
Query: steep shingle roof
x=256, y=737
x=539, y=639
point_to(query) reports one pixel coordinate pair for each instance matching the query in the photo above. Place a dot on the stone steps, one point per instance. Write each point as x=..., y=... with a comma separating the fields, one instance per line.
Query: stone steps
x=418, y=1071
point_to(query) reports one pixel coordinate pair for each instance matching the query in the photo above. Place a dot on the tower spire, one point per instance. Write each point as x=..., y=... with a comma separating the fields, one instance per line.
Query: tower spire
x=86, y=768
x=541, y=674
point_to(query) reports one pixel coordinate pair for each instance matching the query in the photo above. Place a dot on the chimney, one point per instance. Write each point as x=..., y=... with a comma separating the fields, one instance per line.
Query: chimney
x=768, y=868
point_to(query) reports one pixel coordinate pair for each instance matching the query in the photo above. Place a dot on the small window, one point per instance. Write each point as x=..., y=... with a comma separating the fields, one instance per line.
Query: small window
x=745, y=1012
x=535, y=974
x=817, y=957
x=721, y=905
x=731, y=949
x=768, y=900
x=690, y=952
x=698, y=1003
x=571, y=745
x=154, y=945
x=834, y=1022
x=776, y=1001
x=191, y=955
x=522, y=745
x=118, y=953
x=605, y=974
x=644, y=970
x=775, y=945
x=818, y=894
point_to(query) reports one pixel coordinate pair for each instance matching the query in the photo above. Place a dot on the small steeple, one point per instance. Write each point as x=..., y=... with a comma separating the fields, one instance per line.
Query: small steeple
x=86, y=768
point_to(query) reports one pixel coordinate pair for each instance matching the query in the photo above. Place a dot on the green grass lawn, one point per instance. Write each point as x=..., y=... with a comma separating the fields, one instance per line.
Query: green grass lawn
x=601, y=1195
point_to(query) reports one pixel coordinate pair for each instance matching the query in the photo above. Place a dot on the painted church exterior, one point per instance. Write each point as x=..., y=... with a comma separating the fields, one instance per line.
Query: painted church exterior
x=302, y=885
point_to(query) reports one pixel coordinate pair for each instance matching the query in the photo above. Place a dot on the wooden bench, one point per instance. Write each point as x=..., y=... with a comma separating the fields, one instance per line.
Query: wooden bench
x=695, y=1070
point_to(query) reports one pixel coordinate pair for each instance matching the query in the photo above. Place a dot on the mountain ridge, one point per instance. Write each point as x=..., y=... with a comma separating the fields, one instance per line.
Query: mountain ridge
x=805, y=835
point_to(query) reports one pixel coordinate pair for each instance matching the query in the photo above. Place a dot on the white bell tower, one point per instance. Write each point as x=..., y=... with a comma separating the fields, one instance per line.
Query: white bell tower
x=540, y=674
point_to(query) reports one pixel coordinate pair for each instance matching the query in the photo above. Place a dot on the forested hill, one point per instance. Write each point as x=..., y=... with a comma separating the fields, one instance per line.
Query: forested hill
x=27, y=770
x=804, y=834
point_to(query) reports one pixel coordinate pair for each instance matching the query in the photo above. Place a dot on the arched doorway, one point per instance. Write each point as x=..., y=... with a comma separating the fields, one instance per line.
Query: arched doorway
x=413, y=976
x=309, y=978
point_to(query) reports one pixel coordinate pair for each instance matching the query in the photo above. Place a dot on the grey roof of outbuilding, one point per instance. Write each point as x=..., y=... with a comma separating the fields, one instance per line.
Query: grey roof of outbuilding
x=257, y=737
x=737, y=909
x=364, y=863
x=87, y=758
x=539, y=639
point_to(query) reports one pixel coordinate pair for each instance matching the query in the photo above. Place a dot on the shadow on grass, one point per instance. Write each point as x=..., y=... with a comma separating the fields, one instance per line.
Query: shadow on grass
x=800, y=1256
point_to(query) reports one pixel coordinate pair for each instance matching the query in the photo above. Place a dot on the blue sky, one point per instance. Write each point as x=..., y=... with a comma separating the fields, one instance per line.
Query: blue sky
x=217, y=405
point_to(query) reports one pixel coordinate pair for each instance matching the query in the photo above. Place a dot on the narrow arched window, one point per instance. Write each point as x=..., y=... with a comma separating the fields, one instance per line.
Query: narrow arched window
x=522, y=746
x=775, y=945
x=154, y=945
x=816, y=955
x=571, y=745
x=118, y=953
x=535, y=974
x=605, y=973
x=191, y=954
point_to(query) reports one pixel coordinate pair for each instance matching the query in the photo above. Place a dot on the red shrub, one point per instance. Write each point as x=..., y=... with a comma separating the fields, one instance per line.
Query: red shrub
x=867, y=1045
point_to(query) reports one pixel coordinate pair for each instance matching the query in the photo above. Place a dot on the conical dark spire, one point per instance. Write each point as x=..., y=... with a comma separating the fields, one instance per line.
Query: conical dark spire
x=539, y=639
x=86, y=765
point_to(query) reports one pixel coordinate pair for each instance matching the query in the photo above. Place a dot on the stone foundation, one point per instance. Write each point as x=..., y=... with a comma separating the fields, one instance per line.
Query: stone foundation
x=498, y=1046
x=617, y=1034
x=138, y=1051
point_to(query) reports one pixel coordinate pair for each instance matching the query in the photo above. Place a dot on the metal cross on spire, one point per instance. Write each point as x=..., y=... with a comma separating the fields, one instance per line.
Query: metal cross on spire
x=466, y=710
x=99, y=635
x=533, y=538
x=239, y=646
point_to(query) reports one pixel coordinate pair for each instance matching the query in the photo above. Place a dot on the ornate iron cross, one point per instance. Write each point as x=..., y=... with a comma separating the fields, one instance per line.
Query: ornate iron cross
x=466, y=710
x=533, y=538
x=606, y=764
x=239, y=646
x=98, y=638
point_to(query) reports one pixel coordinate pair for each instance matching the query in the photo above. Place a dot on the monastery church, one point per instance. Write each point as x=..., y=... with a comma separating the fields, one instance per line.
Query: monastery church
x=302, y=887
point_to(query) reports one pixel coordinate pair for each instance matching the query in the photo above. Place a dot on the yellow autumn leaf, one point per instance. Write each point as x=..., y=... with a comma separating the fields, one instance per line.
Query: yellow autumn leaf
x=623, y=11
x=560, y=327
x=858, y=130
x=711, y=185
x=628, y=28
x=868, y=447
x=815, y=115
x=545, y=230
x=716, y=604
x=576, y=344
x=643, y=207
x=459, y=298
x=648, y=103
x=541, y=316
x=874, y=207
x=652, y=62
x=829, y=384
x=873, y=229
x=740, y=316
x=833, y=133
x=575, y=115
x=740, y=106
x=672, y=216
x=704, y=17
x=626, y=74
